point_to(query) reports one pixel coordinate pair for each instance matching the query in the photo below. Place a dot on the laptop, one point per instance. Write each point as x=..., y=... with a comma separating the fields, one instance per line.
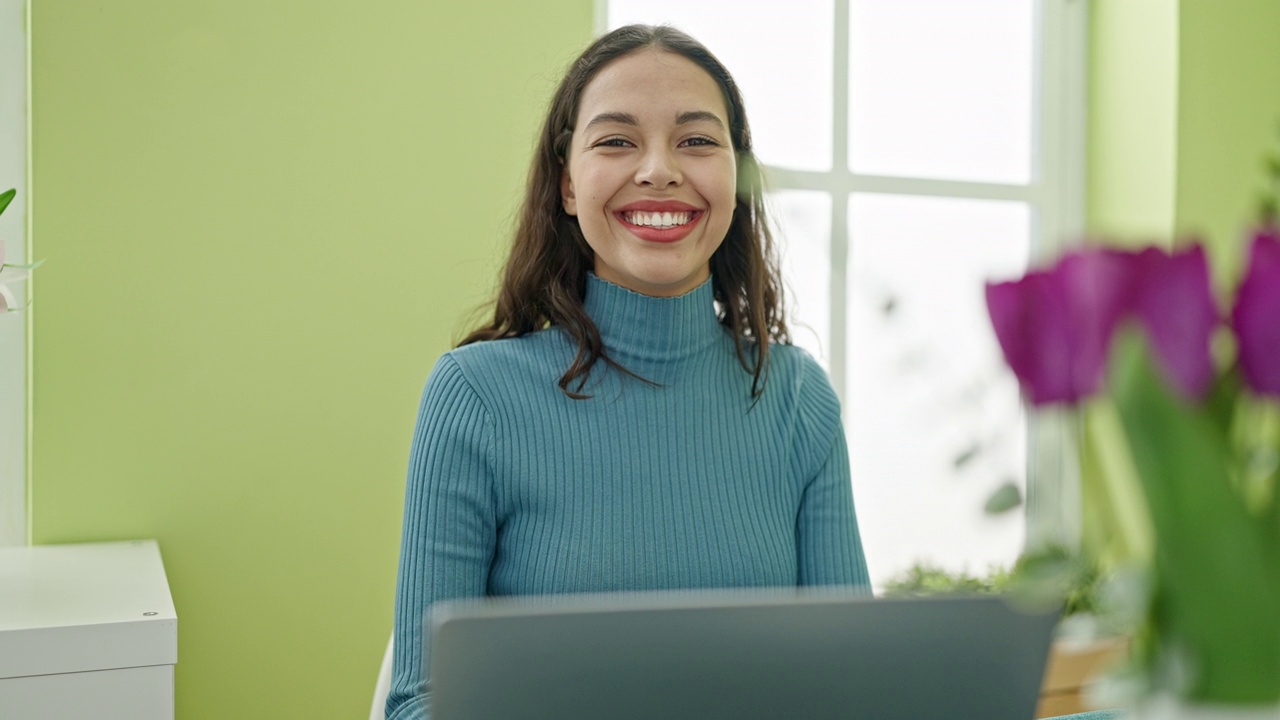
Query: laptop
x=736, y=654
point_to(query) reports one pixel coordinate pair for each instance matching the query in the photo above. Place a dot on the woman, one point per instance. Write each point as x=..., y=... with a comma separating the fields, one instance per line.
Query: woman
x=632, y=418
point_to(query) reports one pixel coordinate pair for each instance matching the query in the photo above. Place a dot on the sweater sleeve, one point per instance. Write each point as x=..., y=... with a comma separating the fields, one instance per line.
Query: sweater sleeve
x=450, y=525
x=828, y=545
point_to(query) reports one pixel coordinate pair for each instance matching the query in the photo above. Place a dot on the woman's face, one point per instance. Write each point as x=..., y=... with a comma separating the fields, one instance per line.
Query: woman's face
x=651, y=174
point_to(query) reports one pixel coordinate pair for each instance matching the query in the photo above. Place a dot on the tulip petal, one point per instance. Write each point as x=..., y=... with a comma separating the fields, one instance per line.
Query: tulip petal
x=1099, y=287
x=1055, y=326
x=1034, y=347
x=1256, y=316
x=1174, y=301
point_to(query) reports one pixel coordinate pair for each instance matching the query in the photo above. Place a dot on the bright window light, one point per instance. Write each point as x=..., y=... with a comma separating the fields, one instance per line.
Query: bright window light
x=941, y=89
x=935, y=423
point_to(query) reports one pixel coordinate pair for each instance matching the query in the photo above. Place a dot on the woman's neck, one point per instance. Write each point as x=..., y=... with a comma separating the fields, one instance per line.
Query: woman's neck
x=642, y=327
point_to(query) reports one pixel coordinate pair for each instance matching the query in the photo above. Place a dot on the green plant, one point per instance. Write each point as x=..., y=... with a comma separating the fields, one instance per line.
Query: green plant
x=925, y=578
x=1196, y=390
x=1050, y=576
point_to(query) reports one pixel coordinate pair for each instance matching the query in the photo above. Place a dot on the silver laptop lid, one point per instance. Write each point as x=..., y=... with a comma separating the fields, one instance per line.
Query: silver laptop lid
x=718, y=654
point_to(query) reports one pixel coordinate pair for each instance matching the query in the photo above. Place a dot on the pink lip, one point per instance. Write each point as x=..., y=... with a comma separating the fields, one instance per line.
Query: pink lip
x=659, y=206
x=652, y=234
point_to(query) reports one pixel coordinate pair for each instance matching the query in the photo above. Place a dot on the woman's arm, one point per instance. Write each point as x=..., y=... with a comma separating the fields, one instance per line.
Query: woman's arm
x=450, y=525
x=828, y=547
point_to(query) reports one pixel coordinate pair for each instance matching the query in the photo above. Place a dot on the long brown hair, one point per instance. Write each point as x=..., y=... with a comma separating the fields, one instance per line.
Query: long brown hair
x=545, y=278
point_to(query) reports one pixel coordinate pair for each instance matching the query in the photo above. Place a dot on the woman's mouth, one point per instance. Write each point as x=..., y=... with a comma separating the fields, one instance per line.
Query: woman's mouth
x=660, y=220
x=660, y=226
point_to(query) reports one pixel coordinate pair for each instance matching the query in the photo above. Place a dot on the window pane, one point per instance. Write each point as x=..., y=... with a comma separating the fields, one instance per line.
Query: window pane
x=934, y=419
x=941, y=89
x=801, y=221
x=780, y=54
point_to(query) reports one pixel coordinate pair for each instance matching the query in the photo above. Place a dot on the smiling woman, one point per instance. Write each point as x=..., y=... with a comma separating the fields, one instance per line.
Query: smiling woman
x=633, y=417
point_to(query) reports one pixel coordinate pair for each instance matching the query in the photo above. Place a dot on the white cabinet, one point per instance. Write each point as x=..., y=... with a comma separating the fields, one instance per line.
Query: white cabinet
x=86, y=631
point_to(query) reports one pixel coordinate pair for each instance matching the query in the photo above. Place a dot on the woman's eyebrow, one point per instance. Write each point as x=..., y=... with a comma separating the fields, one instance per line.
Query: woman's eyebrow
x=699, y=116
x=683, y=118
x=613, y=117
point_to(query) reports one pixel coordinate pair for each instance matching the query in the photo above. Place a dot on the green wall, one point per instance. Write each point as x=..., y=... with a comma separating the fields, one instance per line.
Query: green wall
x=1184, y=100
x=262, y=223
x=1228, y=116
x=1133, y=123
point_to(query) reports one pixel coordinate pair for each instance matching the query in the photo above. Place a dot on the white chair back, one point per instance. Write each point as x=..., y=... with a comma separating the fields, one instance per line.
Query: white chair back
x=380, y=690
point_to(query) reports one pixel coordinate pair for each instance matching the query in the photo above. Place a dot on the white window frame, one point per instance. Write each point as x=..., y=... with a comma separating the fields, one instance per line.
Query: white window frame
x=1055, y=195
x=15, y=329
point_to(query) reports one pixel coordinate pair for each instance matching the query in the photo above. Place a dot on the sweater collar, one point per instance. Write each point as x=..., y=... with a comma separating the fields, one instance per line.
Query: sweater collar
x=646, y=327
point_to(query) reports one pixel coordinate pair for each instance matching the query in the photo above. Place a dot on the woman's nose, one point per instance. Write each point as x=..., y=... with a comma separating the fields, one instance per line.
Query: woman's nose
x=659, y=168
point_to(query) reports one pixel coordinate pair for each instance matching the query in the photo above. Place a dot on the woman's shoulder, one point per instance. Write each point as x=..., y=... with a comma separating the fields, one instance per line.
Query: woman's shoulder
x=793, y=356
x=815, y=406
x=796, y=367
x=483, y=350
x=807, y=386
x=500, y=352
x=488, y=361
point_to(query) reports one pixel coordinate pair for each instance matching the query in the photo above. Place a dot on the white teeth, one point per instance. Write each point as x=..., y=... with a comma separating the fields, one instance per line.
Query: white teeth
x=661, y=221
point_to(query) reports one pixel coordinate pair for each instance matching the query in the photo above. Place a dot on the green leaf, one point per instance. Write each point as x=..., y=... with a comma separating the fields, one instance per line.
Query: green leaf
x=1004, y=499
x=1223, y=399
x=1273, y=166
x=1217, y=578
x=1044, y=578
x=1117, y=525
x=6, y=197
x=1267, y=209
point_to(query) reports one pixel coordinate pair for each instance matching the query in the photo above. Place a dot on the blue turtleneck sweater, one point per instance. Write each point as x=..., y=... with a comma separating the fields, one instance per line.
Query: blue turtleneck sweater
x=516, y=489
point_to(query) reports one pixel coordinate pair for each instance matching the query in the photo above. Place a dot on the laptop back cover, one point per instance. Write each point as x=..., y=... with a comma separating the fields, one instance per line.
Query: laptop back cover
x=685, y=656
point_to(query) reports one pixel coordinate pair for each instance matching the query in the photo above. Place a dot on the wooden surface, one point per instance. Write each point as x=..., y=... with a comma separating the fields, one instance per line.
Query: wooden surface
x=1072, y=666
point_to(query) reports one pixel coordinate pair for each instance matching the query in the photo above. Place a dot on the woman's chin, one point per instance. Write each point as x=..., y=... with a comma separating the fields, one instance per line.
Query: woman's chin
x=659, y=282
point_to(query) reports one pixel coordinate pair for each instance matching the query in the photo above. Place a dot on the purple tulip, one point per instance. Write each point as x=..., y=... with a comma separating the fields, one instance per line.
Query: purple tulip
x=1173, y=297
x=1256, y=317
x=1055, y=326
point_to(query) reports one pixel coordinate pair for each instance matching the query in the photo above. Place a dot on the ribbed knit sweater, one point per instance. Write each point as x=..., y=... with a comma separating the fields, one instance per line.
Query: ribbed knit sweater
x=516, y=489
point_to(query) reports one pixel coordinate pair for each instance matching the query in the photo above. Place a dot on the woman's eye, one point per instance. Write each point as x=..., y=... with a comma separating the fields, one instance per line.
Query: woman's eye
x=612, y=142
x=699, y=141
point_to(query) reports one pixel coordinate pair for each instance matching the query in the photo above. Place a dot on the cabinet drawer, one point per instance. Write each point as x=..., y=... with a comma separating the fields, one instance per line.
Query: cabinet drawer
x=143, y=693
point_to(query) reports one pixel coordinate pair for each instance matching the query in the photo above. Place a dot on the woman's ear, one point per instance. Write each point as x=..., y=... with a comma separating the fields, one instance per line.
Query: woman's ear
x=567, y=198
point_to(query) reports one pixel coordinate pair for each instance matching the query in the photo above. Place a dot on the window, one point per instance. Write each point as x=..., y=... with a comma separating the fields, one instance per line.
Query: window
x=13, y=329
x=913, y=149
